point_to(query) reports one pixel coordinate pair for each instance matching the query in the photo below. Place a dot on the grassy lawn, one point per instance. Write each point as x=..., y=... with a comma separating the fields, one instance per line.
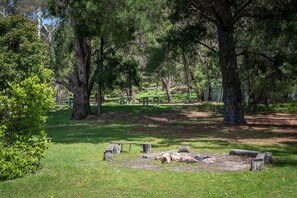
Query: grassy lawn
x=73, y=166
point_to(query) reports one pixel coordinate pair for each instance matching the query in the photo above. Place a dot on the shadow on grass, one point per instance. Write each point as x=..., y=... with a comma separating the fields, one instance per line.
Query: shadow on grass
x=199, y=135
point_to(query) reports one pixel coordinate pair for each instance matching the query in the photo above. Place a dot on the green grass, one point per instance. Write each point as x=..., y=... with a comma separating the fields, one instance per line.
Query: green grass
x=73, y=166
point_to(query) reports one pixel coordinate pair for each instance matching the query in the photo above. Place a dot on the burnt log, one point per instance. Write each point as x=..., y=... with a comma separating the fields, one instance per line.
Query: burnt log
x=166, y=158
x=176, y=157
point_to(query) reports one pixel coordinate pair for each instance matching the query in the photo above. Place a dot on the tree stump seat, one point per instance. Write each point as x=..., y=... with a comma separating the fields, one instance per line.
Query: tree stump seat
x=108, y=152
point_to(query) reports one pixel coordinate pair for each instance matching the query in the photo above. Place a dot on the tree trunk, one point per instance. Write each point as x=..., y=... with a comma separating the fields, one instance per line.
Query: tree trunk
x=99, y=100
x=166, y=84
x=187, y=76
x=39, y=19
x=100, y=67
x=201, y=95
x=209, y=93
x=233, y=110
x=82, y=48
x=252, y=103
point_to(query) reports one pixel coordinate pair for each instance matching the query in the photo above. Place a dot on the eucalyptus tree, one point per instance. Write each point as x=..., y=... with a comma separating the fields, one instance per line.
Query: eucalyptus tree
x=162, y=66
x=107, y=25
x=33, y=9
x=225, y=17
x=223, y=14
x=182, y=41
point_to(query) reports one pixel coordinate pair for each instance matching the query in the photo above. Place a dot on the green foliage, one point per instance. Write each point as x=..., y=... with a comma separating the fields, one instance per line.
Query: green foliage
x=25, y=97
x=119, y=72
x=23, y=139
x=21, y=52
x=268, y=61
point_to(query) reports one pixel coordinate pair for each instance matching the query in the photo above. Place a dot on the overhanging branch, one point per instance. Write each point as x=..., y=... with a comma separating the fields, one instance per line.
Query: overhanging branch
x=258, y=54
x=239, y=13
x=208, y=47
x=65, y=84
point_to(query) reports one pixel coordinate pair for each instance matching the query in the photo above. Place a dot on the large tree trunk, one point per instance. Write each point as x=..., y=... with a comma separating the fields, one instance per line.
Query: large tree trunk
x=228, y=62
x=166, y=84
x=82, y=48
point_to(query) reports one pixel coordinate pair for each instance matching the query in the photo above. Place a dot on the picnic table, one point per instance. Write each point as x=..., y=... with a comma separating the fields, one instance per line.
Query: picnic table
x=122, y=145
x=70, y=102
x=145, y=101
x=155, y=100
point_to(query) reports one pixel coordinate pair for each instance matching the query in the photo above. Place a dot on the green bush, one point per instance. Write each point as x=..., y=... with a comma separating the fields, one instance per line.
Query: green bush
x=292, y=107
x=23, y=139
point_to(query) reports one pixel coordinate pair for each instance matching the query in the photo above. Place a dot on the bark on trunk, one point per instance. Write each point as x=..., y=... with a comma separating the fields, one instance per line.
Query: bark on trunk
x=228, y=62
x=82, y=47
x=39, y=19
x=209, y=93
x=166, y=84
x=100, y=67
x=187, y=76
x=252, y=103
x=198, y=90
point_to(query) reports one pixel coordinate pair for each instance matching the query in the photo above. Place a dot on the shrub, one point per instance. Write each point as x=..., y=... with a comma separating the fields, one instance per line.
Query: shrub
x=23, y=139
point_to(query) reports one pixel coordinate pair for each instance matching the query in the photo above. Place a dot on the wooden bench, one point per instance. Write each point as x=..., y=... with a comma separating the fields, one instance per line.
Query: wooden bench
x=122, y=145
x=70, y=102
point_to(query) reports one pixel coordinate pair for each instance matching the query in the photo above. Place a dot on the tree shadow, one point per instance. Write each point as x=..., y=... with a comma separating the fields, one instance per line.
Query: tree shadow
x=138, y=124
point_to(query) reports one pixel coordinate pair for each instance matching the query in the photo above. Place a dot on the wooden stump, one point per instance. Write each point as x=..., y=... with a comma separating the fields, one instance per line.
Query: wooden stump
x=257, y=164
x=147, y=148
x=117, y=149
x=268, y=158
x=183, y=149
x=108, y=156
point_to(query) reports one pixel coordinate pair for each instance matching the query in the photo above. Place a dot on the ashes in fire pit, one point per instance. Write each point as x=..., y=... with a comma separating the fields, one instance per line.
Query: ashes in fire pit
x=182, y=157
